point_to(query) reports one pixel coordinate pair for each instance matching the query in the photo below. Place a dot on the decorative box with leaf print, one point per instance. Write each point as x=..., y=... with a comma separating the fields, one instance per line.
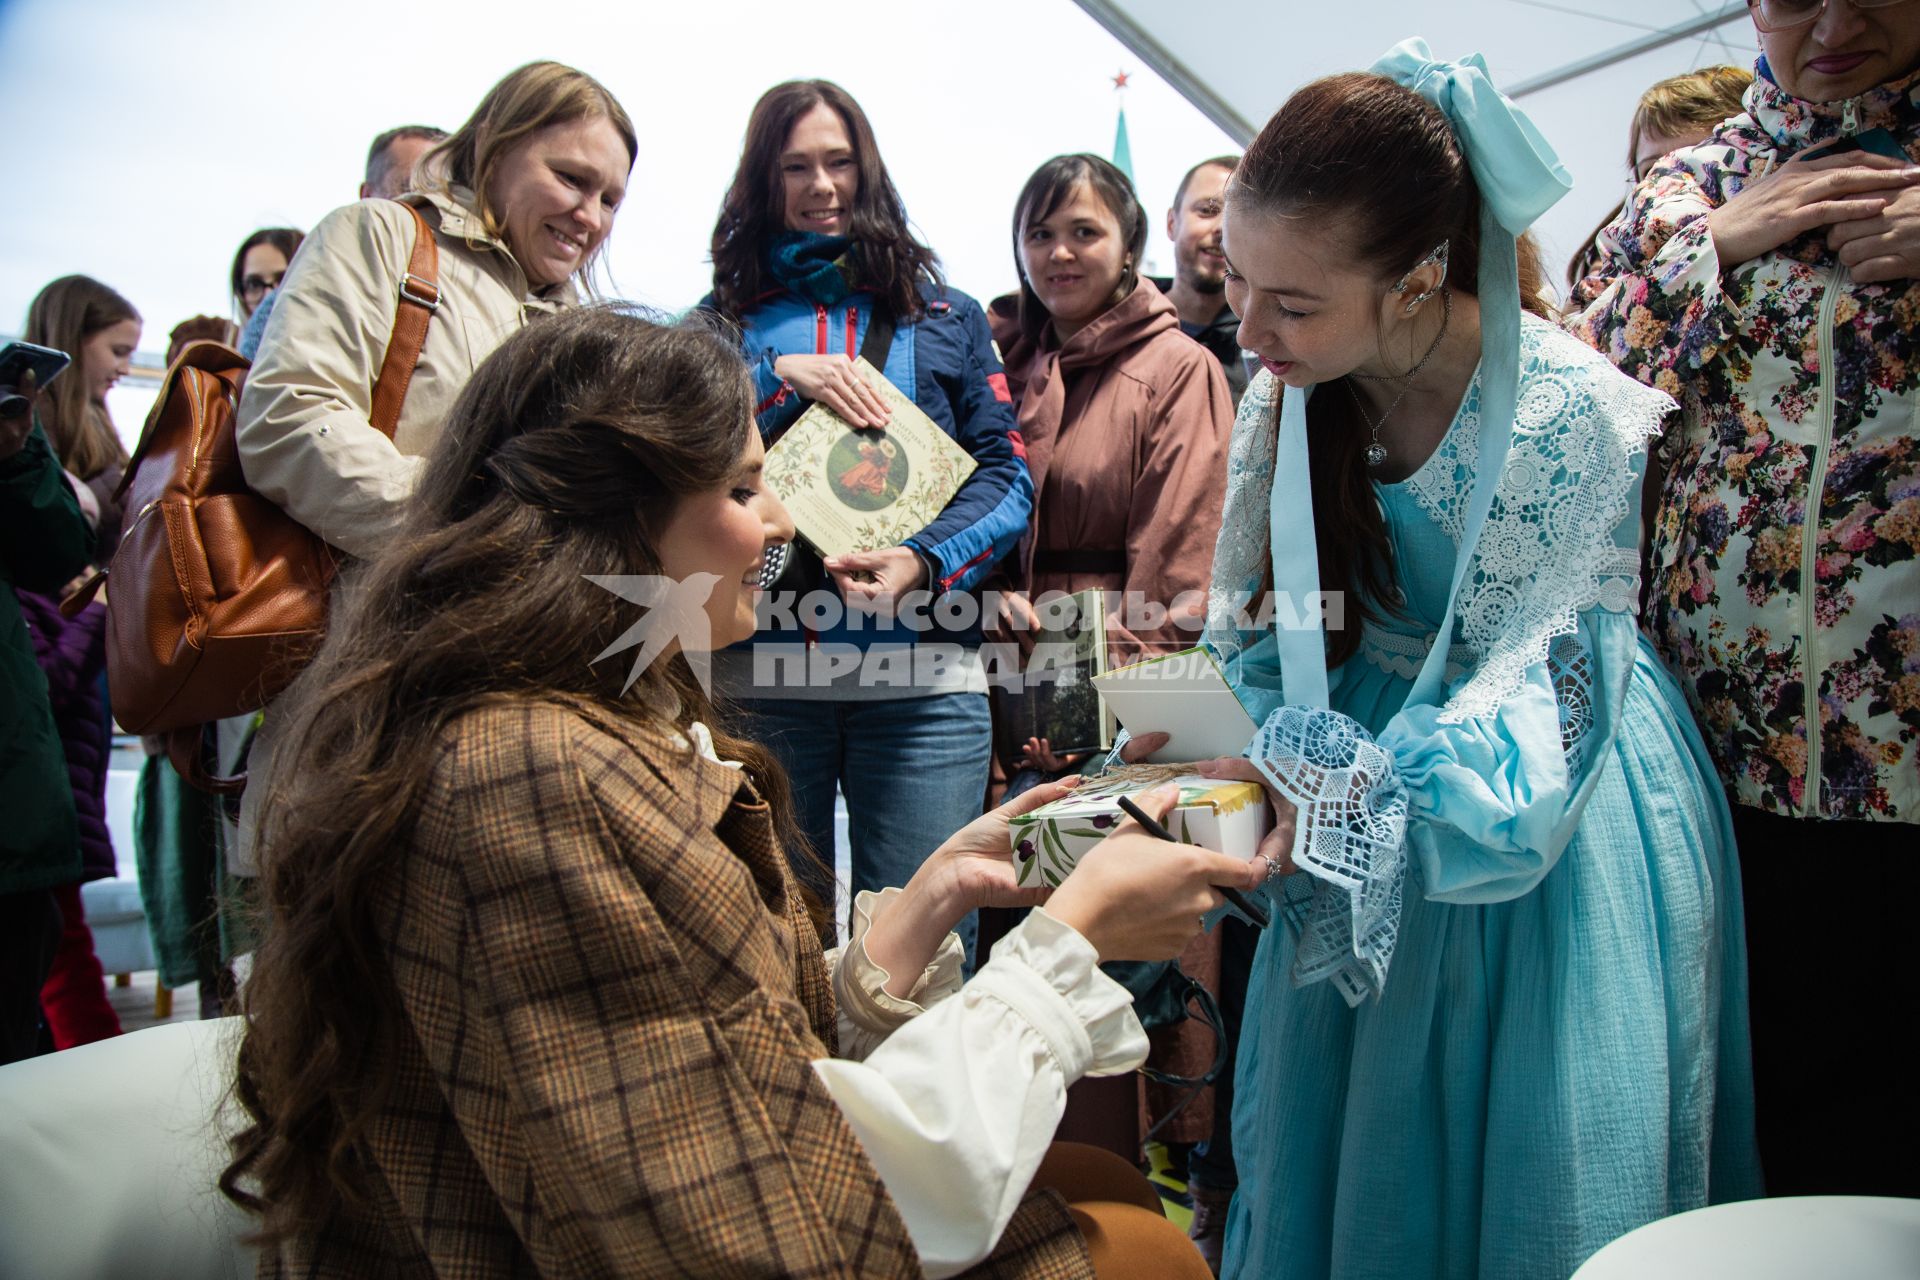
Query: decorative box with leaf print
x=1227, y=816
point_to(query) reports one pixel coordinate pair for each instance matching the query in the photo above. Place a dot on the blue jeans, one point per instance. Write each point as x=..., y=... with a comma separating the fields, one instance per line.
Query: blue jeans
x=914, y=771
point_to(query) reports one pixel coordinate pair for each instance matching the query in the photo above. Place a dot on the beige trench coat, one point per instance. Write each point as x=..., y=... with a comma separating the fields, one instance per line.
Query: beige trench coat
x=304, y=436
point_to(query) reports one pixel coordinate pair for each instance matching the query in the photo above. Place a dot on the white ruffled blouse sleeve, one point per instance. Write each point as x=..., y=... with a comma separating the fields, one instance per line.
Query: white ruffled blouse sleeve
x=866, y=1013
x=959, y=1103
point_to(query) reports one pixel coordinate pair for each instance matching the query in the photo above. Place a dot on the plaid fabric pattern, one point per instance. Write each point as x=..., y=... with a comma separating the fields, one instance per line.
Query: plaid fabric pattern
x=614, y=997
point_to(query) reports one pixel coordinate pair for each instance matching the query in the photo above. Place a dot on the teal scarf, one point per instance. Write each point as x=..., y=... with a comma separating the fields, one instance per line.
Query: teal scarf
x=809, y=264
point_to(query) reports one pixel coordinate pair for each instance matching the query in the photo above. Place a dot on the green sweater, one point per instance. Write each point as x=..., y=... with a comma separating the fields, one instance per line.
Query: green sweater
x=44, y=543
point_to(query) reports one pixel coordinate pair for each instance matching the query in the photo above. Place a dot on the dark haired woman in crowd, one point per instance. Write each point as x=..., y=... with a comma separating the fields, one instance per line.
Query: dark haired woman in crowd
x=100, y=330
x=1509, y=1022
x=259, y=267
x=1770, y=279
x=539, y=994
x=811, y=252
x=1125, y=421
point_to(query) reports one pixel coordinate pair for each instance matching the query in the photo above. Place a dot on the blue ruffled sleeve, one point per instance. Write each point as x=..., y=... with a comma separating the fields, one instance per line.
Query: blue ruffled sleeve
x=1493, y=800
x=1480, y=792
x=1482, y=807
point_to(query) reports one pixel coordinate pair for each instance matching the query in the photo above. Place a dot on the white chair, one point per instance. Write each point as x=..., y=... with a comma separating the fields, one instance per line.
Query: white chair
x=118, y=920
x=1790, y=1238
x=110, y=1155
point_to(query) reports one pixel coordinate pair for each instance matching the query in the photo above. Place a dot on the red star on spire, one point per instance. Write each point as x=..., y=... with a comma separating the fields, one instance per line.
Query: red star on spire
x=1120, y=80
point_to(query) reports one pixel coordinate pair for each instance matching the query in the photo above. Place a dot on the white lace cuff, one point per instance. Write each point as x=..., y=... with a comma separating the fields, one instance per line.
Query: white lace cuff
x=867, y=1013
x=1349, y=836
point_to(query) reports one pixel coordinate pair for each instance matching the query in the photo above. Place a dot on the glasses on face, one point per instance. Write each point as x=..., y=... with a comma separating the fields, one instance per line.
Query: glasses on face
x=1780, y=15
x=254, y=286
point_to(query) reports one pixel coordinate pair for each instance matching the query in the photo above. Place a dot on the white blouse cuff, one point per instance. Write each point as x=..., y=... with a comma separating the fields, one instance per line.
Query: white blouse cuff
x=859, y=984
x=1051, y=975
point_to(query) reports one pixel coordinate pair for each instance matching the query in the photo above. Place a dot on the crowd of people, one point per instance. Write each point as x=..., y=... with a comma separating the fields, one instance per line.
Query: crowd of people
x=545, y=970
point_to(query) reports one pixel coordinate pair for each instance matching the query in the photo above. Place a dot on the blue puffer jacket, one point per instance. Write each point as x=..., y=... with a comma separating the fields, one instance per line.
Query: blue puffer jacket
x=947, y=363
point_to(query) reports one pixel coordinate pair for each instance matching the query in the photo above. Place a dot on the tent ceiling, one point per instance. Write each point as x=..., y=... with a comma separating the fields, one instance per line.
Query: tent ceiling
x=1577, y=67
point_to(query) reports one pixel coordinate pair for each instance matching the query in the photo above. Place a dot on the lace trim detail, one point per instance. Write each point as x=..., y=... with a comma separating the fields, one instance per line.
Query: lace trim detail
x=1620, y=582
x=1402, y=655
x=1570, y=667
x=1239, y=554
x=1547, y=551
x=1438, y=485
x=1350, y=835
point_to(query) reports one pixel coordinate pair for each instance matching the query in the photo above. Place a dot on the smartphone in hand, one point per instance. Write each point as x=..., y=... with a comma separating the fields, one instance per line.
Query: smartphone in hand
x=17, y=360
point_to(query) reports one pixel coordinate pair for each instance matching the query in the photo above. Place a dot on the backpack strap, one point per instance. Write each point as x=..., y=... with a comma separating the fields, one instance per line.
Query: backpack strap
x=879, y=340
x=419, y=299
x=186, y=750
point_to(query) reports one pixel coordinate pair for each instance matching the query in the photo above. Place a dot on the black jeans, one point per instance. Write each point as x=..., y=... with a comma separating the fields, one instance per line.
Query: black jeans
x=1833, y=960
x=1211, y=1163
x=30, y=924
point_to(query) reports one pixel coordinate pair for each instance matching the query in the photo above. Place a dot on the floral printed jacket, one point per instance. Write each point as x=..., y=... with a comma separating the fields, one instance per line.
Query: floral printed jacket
x=1796, y=382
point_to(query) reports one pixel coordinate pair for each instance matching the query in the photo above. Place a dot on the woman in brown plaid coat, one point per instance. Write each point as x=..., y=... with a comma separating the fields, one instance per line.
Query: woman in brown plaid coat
x=538, y=994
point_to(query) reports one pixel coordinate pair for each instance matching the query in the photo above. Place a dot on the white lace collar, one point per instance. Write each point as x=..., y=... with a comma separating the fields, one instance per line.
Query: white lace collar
x=1546, y=552
x=1445, y=479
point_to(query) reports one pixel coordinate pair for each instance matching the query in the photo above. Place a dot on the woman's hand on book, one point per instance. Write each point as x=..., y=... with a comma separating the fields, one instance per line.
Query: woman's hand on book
x=974, y=866
x=1038, y=754
x=1016, y=612
x=1140, y=746
x=1138, y=898
x=834, y=382
x=1277, y=845
x=878, y=577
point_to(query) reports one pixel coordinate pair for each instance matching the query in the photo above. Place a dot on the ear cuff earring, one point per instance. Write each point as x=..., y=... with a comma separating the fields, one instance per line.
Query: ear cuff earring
x=1439, y=255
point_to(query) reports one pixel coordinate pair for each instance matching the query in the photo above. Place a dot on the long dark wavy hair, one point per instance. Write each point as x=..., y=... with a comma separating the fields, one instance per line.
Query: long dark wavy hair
x=1361, y=152
x=565, y=455
x=887, y=259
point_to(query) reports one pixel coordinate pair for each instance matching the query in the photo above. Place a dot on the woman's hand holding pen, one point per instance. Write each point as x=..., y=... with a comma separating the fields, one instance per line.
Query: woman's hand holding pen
x=1135, y=897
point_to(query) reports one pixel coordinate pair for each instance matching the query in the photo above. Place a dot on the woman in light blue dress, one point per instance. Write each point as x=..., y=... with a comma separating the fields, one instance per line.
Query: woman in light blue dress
x=1507, y=1021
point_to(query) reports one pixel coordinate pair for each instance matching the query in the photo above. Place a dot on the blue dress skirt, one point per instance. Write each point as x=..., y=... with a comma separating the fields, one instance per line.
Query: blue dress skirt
x=1559, y=1053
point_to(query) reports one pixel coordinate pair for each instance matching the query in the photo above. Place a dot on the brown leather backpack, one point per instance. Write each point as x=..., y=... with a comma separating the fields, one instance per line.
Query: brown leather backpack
x=218, y=596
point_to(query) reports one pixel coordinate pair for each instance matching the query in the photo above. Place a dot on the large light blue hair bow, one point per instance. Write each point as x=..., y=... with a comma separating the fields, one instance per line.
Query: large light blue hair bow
x=1520, y=178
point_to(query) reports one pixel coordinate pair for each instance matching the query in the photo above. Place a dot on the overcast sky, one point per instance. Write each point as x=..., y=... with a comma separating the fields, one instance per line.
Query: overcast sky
x=150, y=137
x=163, y=133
